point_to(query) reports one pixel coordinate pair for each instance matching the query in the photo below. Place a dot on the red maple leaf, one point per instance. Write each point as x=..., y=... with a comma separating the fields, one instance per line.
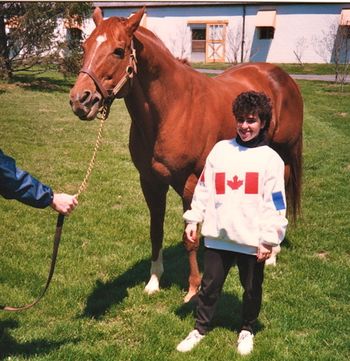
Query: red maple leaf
x=235, y=183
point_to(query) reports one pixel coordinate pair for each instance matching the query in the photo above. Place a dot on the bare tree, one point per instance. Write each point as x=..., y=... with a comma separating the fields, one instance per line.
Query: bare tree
x=234, y=45
x=334, y=47
x=179, y=42
x=341, y=54
x=300, y=46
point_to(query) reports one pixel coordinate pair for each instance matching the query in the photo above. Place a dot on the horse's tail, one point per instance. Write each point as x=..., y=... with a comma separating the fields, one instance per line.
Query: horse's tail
x=294, y=181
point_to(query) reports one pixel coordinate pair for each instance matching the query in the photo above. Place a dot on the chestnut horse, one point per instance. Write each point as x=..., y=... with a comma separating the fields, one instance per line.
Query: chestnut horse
x=177, y=115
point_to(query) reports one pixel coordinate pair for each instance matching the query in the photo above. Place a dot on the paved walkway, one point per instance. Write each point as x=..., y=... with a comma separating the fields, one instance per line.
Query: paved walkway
x=294, y=76
x=317, y=77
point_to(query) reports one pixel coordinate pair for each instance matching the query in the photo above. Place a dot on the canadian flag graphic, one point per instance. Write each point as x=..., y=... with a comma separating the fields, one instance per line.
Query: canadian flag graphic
x=251, y=183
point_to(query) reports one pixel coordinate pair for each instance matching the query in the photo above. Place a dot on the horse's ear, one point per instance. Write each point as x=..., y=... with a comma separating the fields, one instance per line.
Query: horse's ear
x=97, y=16
x=134, y=21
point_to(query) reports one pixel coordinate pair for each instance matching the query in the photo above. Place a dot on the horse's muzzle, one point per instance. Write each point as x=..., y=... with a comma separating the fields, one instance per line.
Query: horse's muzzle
x=85, y=105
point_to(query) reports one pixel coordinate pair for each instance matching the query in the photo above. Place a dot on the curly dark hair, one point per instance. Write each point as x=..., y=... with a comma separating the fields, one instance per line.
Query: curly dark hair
x=255, y=103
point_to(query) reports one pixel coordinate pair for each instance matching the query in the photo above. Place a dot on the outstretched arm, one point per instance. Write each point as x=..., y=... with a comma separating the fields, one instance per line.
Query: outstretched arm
x=22, y=186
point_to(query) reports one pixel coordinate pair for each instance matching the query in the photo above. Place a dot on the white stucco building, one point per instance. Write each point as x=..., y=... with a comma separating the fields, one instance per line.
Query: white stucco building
x=235, y=31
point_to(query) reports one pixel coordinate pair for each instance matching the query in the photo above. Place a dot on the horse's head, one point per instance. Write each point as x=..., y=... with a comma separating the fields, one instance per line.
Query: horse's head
x=108, y=65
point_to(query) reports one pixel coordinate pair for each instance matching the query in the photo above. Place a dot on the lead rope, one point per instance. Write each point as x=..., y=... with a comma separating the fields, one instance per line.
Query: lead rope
x=60, y=220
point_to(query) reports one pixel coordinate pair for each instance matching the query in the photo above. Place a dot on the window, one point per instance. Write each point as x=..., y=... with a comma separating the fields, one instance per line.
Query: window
x=198, y=40
x=265, y=22
x=266, y=32
x=344, y=32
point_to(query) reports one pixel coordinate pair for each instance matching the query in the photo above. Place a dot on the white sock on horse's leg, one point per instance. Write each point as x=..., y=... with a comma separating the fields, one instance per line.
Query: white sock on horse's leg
x=156, y=273
x=273, y=259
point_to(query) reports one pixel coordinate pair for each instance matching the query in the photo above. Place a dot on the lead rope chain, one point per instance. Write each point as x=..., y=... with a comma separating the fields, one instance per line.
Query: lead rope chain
x=84, y=183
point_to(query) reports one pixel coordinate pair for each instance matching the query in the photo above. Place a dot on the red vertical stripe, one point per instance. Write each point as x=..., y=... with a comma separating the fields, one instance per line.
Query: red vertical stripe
x=220, y=183
x=251, y=183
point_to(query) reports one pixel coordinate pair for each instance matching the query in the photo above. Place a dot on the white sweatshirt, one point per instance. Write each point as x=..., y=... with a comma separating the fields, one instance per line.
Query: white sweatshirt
x=240, y=198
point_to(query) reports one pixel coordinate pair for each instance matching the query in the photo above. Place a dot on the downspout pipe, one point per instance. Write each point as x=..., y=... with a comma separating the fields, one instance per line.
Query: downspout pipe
x=243, y=32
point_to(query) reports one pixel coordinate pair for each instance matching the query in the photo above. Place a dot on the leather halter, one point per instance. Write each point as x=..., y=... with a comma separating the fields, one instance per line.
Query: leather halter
x=107, y=94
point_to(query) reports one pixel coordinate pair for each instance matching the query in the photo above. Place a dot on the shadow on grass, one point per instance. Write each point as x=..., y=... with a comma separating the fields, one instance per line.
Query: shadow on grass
x=42, y=84
x=107, y=294
x=9, y=347
x=286, y=244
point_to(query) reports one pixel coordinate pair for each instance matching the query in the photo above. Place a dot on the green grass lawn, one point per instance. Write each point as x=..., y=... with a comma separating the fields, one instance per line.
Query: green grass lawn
x=96, y=309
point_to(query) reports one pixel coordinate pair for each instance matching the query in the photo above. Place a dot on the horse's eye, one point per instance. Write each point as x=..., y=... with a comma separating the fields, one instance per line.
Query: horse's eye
x=119, y=53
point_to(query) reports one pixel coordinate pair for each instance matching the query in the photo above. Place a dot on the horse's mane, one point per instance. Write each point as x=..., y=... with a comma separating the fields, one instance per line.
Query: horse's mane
x=152, y=37
x=183, y=61
x=156, y=41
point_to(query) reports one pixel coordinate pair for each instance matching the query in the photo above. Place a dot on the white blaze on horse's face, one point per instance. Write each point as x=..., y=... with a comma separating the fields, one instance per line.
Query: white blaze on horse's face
x=99, y=40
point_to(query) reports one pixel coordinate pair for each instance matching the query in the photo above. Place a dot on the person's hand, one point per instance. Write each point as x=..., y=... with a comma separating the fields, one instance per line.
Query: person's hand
x=191, y=232
x=264, y=252
x=190, y=237
x=64, y=203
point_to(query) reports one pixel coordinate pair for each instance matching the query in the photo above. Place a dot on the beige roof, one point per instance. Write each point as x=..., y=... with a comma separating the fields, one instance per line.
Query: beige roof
x=266, y=18
x=345, y=17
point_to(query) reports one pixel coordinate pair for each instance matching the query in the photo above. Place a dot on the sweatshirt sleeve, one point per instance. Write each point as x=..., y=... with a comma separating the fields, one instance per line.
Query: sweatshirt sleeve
x=273, y=221
x=200, y=196
x=20, y=185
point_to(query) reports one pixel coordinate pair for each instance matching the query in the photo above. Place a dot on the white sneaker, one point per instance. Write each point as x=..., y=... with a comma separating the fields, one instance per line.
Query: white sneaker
x=245, y=342
x=193, y=338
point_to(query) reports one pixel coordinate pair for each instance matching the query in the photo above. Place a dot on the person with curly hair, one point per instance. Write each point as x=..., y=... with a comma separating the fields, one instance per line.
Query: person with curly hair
x=240, y=204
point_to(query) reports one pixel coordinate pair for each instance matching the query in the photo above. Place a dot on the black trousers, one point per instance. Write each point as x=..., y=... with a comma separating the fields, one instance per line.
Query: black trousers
x=217, y=264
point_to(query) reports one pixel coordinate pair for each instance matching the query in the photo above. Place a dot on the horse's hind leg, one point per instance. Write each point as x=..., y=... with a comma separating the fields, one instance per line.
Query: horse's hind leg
x=194, y=278
x=155, y=195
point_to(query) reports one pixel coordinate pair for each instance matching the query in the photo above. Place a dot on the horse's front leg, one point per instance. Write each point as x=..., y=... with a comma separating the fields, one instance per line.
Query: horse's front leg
x=155, y=196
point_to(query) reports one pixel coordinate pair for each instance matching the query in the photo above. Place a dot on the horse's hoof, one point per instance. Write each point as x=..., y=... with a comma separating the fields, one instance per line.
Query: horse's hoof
x=191, y=294
x=271, y=261
x=152, y=286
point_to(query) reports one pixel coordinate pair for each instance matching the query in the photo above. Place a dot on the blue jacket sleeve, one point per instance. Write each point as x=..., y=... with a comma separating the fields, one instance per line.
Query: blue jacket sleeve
x=20, y=185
